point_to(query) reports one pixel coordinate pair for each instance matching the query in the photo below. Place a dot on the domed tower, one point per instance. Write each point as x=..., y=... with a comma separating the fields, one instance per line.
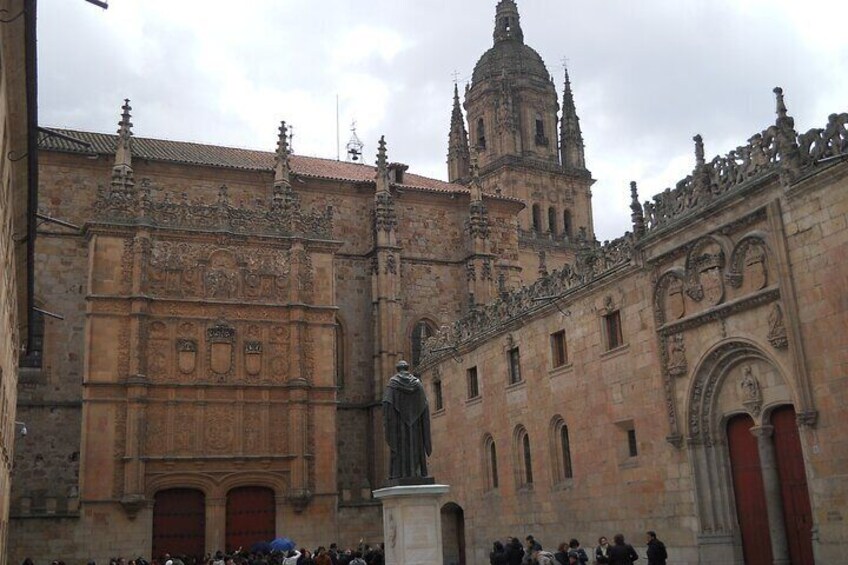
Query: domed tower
x=524, y=149
x=512, y=103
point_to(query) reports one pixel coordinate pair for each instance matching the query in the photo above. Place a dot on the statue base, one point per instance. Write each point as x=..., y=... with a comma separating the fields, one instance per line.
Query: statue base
x=410, y=481
x=412, y=523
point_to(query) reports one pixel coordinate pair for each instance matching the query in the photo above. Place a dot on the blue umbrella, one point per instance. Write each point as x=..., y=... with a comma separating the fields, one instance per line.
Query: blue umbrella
x=260, y=547
x=282, y=544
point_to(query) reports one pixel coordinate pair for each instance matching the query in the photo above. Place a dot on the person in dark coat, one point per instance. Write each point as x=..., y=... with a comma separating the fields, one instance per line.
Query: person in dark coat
x=621, y=552
x=657, y=554
x=514, y=552
x=498, y=554
x=602, y=551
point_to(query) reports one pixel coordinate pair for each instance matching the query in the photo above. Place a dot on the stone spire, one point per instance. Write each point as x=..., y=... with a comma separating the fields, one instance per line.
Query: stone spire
x=636, y=214
x=382, y=176
x=507, y=22
x=458, y=153
x=385, y=218
x=571, y=138
x=282, y=172
x=786, y=140
x=122, y=171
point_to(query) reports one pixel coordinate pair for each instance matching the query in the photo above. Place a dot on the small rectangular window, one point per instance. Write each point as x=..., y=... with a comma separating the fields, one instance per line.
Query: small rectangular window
x=437, y=395
x=559, y=353
x=473, y=387
x=514, y=366
x=631, y=443
x=612, y=328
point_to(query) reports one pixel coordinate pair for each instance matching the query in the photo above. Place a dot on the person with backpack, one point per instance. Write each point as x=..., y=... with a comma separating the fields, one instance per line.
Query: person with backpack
x=577, y=553
x=657, y=554
x=621, y=553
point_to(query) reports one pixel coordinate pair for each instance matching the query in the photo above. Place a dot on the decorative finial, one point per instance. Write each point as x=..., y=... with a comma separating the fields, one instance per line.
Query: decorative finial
x=283, y=142
x=122, y=172
x=282, y=172
x=636, y=215
x=781, y=106
x=700, y=161
x=382, y=161
x=125, y=125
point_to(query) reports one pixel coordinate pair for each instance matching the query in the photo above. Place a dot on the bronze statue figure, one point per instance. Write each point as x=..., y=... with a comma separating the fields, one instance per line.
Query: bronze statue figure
x=406, y=421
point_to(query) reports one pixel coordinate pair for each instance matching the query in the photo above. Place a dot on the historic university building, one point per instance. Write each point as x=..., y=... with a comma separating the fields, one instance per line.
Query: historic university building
x=230, y=318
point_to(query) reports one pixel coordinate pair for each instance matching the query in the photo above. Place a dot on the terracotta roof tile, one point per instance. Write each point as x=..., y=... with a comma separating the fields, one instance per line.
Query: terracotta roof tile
x=232, y=158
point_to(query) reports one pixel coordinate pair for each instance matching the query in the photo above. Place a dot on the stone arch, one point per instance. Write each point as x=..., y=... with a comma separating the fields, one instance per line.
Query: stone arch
x=207, y=485
x=522, y=456
x=733, y=378
x=740, y=262
x=560, y=450
x=489, y=461
x=418, y=332
x=275, y=481
x=453, y=534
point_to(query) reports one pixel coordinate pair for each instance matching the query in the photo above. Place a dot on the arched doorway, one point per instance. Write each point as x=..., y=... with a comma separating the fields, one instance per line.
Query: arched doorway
x=179, y=523
x=251, y=517
x=453, y=534
x=746, y=455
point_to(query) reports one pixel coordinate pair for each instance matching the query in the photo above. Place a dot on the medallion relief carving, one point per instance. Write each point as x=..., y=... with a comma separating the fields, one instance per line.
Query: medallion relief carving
x=190, y=270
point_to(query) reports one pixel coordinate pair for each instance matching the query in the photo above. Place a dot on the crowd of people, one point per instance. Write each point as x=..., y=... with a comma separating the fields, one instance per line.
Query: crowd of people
x=508, y=552
x=512, y=552
x=364, y=554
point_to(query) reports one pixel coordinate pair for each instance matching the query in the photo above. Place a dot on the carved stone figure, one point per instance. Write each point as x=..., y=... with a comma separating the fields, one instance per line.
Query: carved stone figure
x=677, y=365
x=406, y=421
x=777, y=331
x=752, y=396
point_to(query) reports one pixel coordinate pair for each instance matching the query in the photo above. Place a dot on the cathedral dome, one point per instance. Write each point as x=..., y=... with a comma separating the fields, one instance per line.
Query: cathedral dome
x=512, y=58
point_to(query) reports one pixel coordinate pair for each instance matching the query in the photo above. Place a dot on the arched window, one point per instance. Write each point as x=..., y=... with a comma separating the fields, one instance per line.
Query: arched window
x=537, y=218
x=524, y=461
x=566, y=223
x=490, y=462
x=541, y=138
x=481, y=134
x=552, y=218
x=340, y=354
x=560, y=450
x=422, y=331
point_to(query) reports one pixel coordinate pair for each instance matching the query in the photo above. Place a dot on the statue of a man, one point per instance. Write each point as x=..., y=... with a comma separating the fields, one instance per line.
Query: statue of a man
x=406, y=421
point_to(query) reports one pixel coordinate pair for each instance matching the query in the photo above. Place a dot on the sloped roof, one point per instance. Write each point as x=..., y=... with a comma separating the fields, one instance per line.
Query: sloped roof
x=189, y=153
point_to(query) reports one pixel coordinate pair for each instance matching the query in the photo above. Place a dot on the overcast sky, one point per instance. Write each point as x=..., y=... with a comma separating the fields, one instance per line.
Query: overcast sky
x=647, y=75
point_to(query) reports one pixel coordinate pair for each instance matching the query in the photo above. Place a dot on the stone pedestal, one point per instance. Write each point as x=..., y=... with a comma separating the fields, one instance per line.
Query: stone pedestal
x=412, y=523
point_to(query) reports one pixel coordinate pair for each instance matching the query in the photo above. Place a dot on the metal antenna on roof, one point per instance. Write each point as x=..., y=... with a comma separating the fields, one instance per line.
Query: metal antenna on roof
x=355, y=145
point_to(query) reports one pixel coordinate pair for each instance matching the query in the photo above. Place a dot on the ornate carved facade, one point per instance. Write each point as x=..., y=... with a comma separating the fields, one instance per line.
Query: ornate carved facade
x=734, y=280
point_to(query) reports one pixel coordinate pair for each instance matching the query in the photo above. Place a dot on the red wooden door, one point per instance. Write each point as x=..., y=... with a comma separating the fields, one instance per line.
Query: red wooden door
x=179, y=523
x=749, y=491
x=251, y=516
x=793, y=486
